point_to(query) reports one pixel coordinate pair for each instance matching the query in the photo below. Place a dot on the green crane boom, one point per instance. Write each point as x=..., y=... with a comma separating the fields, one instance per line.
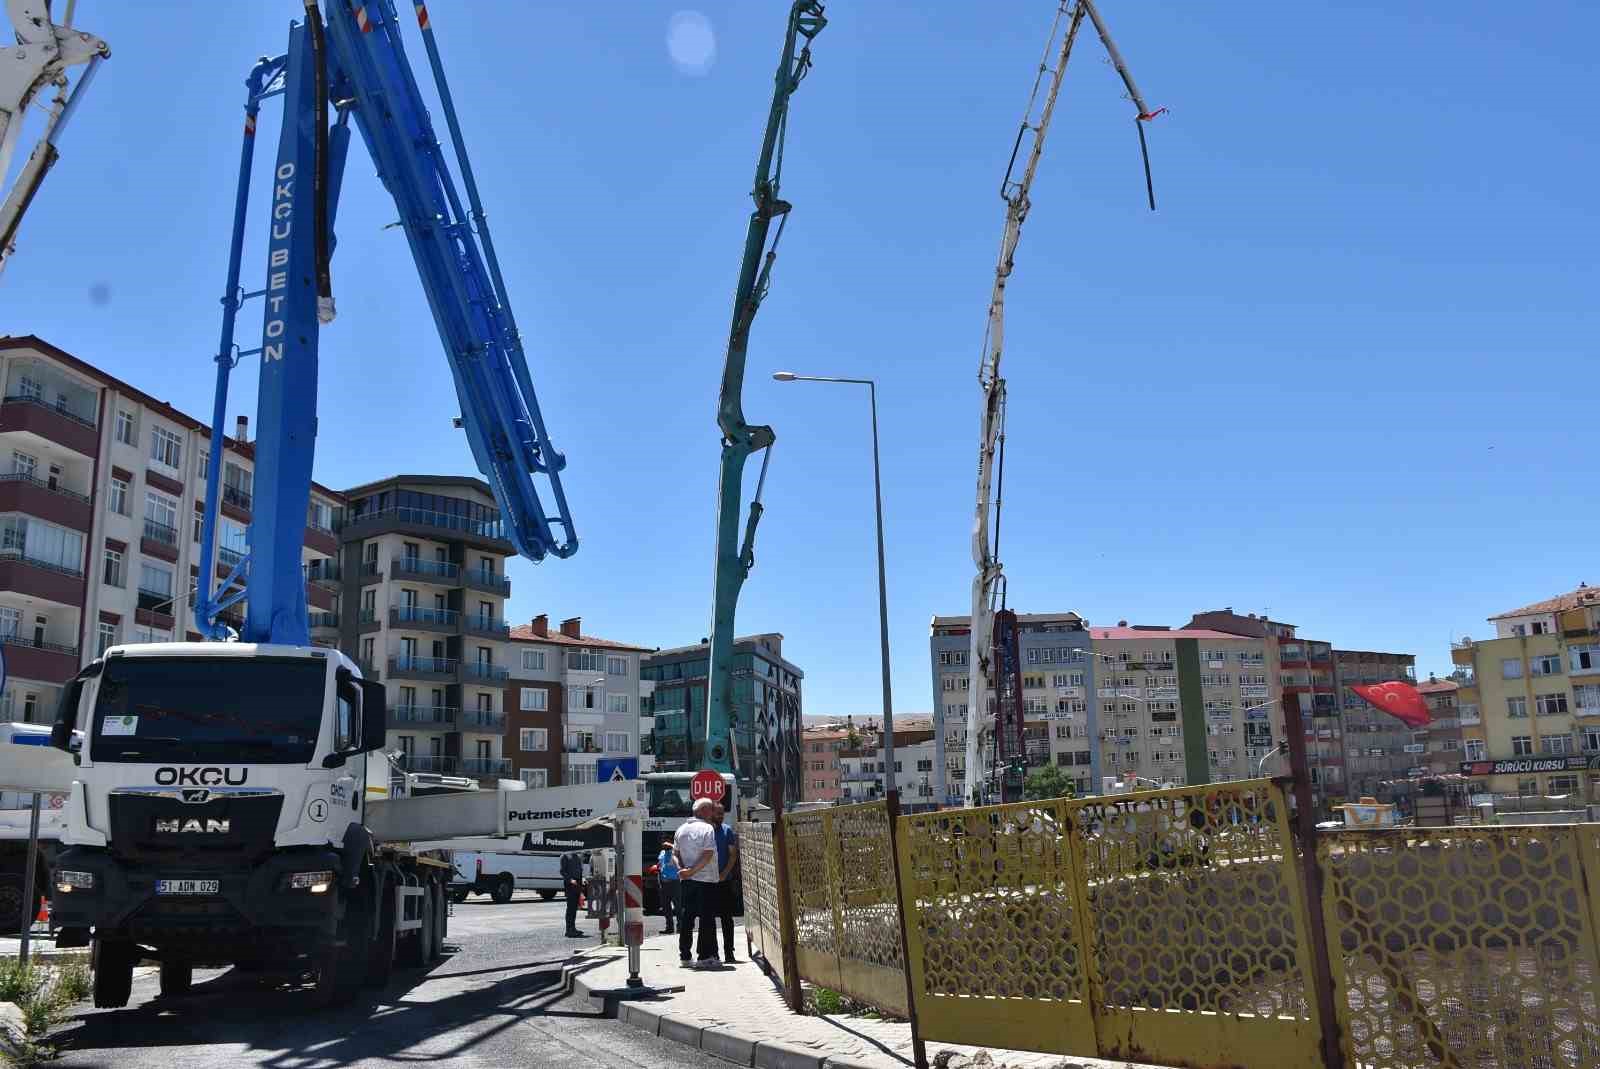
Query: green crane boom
x=739, y=438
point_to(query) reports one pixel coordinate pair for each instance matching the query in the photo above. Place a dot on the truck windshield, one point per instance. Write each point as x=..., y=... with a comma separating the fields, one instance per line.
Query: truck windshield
x=209, y=709
x=668, y=798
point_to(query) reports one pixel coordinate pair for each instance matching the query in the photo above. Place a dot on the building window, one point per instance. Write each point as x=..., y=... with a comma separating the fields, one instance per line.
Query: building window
x=1517, y=708
x=586, y=661
x=1559, y=785
x=161, y=508
x=617, y=742
x=1556, y=744
x=155, y=579
x=534, y=778
x=580, y=699
x=1511, y=668
x=1586, y=697
x=1540, y=627
x=1477, y=749
x=319, y=515
x=1522, y=745
x=1591, y=740
x=126, y=433
x=166, y=448
x=1583, y=658
x=533, y=740
x=105, y=637
x=117, y=499
x=1548, y=664
x=534, y=700
x=616, y=703
x=150, y=634
x=532, y=661
x=616, y=666
x=113, y=568
x=1551, y=704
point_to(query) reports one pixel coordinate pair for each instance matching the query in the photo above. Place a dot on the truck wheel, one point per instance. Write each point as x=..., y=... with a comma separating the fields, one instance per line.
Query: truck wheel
x=503, y=888
x=548, y=895
x=112, y=960
x=459, y=895
x=380, y=957
x=427, y=942
x=441, y=921
x=177, y=977
x=340, y=972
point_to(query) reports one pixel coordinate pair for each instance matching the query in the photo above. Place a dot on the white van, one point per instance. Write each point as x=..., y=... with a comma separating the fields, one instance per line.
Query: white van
x=498, y=875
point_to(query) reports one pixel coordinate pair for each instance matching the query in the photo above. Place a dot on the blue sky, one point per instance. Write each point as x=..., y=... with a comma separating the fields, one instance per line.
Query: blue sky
x=1345, y=374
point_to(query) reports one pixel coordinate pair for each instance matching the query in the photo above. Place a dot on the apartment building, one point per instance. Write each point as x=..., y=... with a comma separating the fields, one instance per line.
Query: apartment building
x=423, y=593
x=102, y=487
x=1529, y=699
x=1443, y=754
x=1061, y=715
x=1176, y=700
x=1384, y=754
x=864, y=773
x=570, y=700
x=766, y=710
x=819, y=753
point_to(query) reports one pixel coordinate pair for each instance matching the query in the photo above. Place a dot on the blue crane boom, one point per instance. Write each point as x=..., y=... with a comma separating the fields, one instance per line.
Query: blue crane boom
x=739, y=438
x=355, y=64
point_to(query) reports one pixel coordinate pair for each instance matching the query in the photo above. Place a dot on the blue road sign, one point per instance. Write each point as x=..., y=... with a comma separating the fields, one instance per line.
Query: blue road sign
x=612, y=769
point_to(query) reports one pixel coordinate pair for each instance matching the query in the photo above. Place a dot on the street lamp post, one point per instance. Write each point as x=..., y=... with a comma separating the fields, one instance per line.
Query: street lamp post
x=892, y=787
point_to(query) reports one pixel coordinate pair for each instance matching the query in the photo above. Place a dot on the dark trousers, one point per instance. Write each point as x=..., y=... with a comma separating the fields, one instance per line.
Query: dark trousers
x=671, y=901
x=699, y=905
x=725, y=914
x=572, y=905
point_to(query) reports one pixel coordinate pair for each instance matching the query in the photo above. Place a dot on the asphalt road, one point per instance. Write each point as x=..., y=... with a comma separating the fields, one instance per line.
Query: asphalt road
x=493, y=1001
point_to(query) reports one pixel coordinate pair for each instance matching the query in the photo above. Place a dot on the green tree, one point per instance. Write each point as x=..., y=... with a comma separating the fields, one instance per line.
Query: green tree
x=1046, y=782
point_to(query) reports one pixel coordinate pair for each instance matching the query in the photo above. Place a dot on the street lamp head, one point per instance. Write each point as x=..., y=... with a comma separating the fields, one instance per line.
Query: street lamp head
x=784, y=376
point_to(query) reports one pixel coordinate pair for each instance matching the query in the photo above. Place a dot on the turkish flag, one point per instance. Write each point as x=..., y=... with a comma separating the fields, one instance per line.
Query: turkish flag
x=1400, y=700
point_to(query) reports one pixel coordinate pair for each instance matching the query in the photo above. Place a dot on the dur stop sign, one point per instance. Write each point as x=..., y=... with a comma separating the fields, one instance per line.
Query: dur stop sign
x=707, y=784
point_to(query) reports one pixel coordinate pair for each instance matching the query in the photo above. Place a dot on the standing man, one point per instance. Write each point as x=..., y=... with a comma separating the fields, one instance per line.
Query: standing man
x=727, y=858
x=696, y=846
x=572, y=880
x=667, y=885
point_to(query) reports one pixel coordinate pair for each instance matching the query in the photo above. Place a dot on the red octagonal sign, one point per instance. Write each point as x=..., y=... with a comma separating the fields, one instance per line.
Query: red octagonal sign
x=707, y=784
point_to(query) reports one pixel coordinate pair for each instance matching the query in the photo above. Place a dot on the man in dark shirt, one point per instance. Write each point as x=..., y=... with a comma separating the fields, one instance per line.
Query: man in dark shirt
x=727, y=858
x=572, y=880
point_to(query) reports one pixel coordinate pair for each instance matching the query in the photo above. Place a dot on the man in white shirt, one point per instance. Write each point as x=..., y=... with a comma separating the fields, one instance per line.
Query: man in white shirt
x=696, y=849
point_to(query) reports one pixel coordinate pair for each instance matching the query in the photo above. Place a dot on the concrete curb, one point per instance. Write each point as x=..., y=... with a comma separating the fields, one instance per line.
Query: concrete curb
x=717, y=1040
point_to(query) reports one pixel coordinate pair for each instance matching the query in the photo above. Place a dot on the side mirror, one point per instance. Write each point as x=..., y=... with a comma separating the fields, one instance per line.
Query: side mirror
x=66, y=715
x=374, y=715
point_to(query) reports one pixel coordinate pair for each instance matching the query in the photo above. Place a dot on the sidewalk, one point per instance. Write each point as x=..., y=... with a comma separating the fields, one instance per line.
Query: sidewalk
x=737, y=1014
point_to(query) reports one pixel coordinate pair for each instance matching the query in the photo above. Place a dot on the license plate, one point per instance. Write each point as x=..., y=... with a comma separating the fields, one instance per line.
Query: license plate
x=187, y=887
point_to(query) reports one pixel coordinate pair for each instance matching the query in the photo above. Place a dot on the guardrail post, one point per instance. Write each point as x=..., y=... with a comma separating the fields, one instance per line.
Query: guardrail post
x=1305, y=824
x=788, y=939
x=919, y=1051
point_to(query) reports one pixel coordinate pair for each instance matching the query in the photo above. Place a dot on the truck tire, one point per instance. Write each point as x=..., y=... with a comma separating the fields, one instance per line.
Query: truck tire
x=340, y=972
x=441, y=921
x=113, y=961
x=459, y=895
x=381, y=955
x=177, y=977
x=11, y=905
x=504, y=887
x=427, y=942
x=547, y=894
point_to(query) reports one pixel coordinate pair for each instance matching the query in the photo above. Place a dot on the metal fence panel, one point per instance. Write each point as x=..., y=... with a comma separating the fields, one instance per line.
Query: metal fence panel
x=761, y=918
x=1468, y=947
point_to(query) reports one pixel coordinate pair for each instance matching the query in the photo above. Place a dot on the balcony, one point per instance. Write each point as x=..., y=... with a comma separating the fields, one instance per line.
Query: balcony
x=439, y=572
x=25, y=574
x=370, y=572
x=53, y=422
x=489, y=626
x=417, y=618
x=47, y=662
x=490, y=534
x=483, y=721
x=435, y=717
x=21, y=492
x=238, y=497
x=328, y=621
x=323, y=572
x=485, y=673
x=483, y=579
x=448, y=766
x=159, y=540
x=485, y=766
x=425, y=668
x=228, y=559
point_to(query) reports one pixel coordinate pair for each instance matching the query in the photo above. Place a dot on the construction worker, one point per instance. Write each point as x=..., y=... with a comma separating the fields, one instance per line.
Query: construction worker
x=572, y=881
x=667, y=884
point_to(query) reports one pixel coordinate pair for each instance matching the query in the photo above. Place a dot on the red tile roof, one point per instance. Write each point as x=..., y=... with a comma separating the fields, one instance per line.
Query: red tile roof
x=1438, y=686
x=1583, y=596
x=524, y=633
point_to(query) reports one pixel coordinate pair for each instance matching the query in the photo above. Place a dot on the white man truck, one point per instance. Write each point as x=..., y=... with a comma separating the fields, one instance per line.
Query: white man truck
x=229, y=804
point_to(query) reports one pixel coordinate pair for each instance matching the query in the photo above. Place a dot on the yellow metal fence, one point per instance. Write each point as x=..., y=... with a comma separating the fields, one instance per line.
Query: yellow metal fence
x=1173, y=927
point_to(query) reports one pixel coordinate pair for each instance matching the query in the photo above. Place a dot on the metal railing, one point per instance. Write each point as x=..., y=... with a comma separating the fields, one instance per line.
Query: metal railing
x=58, y=408
x=485, y=766
x=424, y=665
x=323, y=571
x=424, y=568
x=483, y=720
x=157, y=531
x=17, y=553
x=490, y=672
x=486, y=625
x=423, y=714
x=34, y=480
x=417, y=614
x=483, y=579
x=494, y=529
x=430, y=763
x=323, y=619
x=38, y=644
x=236, y=496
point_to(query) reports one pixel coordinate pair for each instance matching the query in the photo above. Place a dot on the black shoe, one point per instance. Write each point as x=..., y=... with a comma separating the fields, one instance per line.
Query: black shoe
x=574, y=934
x=730, y=960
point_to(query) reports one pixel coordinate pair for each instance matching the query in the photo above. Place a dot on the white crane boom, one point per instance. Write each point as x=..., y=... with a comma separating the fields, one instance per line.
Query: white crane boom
x=988, y=584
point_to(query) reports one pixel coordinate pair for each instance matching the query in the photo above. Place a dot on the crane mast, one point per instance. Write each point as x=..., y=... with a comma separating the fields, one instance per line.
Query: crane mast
x=355, y=65
x=988, y=583
x=739, y=438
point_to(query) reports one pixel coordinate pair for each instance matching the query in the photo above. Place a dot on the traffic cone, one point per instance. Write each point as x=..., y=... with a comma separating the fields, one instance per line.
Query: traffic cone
x=44, y=913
